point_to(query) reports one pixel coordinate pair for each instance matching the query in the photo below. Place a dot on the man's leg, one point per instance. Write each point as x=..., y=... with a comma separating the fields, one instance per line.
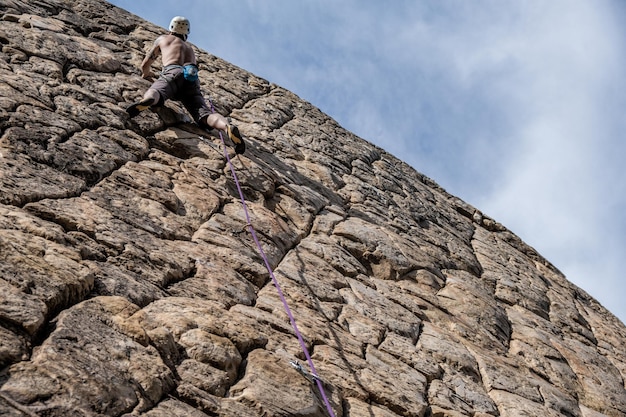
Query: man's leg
x=150, y=98
x=196, y=106
x=217, y=121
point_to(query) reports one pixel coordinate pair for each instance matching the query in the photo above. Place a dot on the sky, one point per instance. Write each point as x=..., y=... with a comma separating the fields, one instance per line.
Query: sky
x=518, y=107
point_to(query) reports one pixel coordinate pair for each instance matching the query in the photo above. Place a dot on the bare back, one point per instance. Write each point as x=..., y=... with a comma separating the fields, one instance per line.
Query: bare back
x=175, y=51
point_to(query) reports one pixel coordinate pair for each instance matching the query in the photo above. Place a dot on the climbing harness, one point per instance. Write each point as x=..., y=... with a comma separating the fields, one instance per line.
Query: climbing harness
x=189, y=71
x=312, y=376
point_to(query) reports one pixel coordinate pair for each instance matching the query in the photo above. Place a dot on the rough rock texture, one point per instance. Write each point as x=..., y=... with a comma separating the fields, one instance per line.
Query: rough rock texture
x=129, y=283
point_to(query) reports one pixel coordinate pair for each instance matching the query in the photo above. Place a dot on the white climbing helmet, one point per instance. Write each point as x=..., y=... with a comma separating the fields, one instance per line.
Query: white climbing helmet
x=180, y=25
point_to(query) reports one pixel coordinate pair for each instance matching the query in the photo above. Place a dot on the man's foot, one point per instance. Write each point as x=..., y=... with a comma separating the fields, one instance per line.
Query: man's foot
x=235, y=136
x=135, y=108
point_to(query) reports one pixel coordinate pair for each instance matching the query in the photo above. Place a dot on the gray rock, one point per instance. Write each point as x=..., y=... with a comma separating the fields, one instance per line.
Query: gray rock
x=130, y=283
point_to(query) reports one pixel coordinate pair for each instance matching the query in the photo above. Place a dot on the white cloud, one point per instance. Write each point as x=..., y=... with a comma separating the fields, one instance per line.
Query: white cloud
x=553, y=194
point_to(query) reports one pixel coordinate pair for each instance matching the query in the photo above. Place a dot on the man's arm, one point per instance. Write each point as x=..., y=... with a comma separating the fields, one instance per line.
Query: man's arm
x=151, y=56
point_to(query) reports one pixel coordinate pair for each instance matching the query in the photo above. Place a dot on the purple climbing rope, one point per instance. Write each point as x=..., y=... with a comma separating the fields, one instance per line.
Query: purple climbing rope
x=292, y=320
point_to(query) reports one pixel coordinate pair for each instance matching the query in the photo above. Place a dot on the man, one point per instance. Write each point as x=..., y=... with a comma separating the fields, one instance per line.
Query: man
x=179, y=81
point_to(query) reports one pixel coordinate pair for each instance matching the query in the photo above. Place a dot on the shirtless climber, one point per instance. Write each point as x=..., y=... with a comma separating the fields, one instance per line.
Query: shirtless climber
x=179, y=81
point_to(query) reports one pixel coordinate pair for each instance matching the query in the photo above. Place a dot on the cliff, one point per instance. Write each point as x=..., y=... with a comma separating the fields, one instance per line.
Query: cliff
x=130, y=284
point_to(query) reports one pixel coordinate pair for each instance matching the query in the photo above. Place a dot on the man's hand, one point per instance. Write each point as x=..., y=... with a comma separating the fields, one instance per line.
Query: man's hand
x=149, y=75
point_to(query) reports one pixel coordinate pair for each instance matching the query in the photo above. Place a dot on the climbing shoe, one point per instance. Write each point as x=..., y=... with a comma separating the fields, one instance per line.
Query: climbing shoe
x=235, y=136
x=135, y=108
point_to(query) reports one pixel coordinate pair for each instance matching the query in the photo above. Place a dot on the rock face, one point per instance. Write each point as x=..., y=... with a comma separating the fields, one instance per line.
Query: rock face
x=129, y=283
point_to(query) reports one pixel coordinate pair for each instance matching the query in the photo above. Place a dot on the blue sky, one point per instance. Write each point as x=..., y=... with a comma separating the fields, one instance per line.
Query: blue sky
x=516, y=107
